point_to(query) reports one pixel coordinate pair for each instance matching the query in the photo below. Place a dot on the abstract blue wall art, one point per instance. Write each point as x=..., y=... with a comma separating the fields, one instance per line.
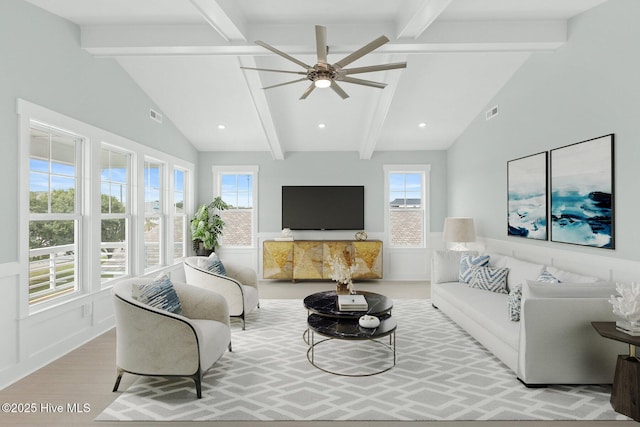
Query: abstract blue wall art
x=527, y=197
x=582, y=193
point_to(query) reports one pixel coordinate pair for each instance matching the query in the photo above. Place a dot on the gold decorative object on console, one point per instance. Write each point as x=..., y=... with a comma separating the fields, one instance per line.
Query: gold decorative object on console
x=361, y=235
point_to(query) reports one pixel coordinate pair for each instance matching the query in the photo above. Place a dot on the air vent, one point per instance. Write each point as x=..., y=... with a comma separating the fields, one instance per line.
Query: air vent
x=491, y=113
x=155, y=116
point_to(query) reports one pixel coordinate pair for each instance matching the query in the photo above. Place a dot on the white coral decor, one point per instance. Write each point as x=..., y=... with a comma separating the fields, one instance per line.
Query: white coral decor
x=341, y=272
x=627, y=305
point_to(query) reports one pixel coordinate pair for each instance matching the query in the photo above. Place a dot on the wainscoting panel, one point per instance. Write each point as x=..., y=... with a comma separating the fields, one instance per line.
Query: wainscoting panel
x=8, y=320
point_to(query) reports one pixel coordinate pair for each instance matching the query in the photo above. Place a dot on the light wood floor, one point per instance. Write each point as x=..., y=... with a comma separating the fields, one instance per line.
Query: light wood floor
x=86, y=376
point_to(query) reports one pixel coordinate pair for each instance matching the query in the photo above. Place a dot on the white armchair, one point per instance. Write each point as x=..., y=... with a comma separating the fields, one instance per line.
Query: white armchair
x=155, y=342
x=239, y=286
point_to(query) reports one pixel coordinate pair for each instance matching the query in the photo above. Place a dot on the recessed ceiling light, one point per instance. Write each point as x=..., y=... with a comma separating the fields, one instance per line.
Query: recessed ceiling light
x=321, y=125
x=221, y=127
x=422, y=125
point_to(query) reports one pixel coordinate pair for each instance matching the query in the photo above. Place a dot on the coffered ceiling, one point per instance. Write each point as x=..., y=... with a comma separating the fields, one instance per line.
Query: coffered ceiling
x=186, y=55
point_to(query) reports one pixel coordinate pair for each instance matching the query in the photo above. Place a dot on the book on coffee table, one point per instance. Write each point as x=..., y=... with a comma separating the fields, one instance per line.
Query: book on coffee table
x=352, y=303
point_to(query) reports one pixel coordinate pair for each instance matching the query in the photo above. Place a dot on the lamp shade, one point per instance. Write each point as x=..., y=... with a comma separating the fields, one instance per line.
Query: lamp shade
x=459, y=230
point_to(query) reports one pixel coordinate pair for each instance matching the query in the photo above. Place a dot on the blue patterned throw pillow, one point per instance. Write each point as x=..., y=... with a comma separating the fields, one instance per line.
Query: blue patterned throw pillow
x=490, y=279
x=468, y=263
x=514, y=303
x=214, y=265
x=546, y=277
x=159, y=293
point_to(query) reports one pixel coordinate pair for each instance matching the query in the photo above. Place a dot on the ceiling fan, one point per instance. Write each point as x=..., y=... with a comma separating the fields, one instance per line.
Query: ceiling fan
x=323, y=74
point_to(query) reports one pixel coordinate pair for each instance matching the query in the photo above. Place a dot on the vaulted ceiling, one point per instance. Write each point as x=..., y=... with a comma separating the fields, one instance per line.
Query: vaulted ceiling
x=186, y=55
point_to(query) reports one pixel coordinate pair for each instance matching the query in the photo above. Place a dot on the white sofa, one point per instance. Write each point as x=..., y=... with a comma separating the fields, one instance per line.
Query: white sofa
x=554, y=342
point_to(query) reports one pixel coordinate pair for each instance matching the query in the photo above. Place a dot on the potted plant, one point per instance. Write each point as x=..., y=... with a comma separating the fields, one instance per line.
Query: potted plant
x=206, y=227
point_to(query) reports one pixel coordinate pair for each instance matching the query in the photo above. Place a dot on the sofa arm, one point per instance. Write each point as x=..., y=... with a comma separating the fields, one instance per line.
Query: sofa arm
x=558, y=345
x=245, y=275
x=199, y=303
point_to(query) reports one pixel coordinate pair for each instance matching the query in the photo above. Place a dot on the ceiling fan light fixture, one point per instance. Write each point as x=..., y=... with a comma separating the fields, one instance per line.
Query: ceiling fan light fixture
x=322, y=82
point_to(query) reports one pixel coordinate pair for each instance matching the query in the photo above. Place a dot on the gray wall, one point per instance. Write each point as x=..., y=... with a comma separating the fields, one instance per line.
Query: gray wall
x=42, y=62
x=327, y=168
x=588, y=88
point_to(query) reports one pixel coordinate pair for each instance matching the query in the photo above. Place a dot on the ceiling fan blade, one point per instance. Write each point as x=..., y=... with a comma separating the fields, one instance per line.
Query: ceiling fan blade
x=337, y=89
x=361, y=52
x=308, y=90
x=285, y=83
x=321, y=44
x=363, y=82
x=303, y=73
x=281, y=53
x=372, y=68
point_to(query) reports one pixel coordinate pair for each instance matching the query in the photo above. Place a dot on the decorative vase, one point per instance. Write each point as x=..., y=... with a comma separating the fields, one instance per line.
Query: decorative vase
x=342, y=288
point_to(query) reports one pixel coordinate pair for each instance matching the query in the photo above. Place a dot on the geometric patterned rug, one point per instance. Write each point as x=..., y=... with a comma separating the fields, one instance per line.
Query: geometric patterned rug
x=441, y=374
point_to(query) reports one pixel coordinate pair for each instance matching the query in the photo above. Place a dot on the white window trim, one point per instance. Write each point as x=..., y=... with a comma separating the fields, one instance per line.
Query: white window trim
x=172, y=215
x=217, y=171
x=94, y=137
x=426, y=171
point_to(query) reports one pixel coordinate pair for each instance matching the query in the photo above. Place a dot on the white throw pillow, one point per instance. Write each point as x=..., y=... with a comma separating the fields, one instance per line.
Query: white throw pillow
x=445, y=265
x=497, y=260
x=569, y=277
x=520, y=271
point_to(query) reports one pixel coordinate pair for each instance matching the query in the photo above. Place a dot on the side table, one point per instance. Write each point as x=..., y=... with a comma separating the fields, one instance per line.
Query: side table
x=625, y=391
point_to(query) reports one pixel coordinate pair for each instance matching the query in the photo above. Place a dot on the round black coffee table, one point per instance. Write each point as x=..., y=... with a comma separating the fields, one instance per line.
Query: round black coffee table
x=326, y=319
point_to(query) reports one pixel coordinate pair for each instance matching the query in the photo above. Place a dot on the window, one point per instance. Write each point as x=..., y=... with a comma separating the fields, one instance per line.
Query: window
x=94, y=208
x=153, y=213
x=115, y=210
x=54, y=212
x=407, y=205
x=238, y=188
x=179, y=214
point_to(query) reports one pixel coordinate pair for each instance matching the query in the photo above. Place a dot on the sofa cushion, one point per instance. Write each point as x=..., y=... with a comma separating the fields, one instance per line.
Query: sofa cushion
x=487, y=309
x=533, y=289
x=497, y=260
x=445, y=265
x=569, y=277
x=467, y=263
x=490, y=279
x=520, y=270
x=159, y=294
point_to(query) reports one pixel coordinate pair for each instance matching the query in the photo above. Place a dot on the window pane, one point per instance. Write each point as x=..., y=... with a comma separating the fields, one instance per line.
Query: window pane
x=238, y=229
x=406, y=227
x=113, y=249
x=52, y=259
x=178, y=237
x=152, y=230
x=63, y=201
x=178, y=197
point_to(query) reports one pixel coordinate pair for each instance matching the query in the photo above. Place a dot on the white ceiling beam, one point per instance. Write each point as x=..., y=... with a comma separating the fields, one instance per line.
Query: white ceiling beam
x=414, y=21
x=379, y=113
x=224, y=16
x=503, y=36
x=262, y=107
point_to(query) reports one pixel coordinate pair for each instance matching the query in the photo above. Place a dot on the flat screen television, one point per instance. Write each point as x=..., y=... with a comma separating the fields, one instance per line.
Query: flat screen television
x=323, y=207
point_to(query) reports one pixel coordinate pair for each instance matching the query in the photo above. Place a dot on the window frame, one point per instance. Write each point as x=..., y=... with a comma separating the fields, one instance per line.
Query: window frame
x=76, y=216
x=253, y=170
x=425, y=171
x=173, y=215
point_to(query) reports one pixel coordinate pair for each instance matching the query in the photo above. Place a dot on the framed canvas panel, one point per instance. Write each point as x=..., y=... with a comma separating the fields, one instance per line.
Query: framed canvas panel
x=527, y=197
x=582, y=193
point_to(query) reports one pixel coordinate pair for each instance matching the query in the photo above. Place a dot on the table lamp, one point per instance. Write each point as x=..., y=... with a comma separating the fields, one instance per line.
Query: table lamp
x=459, y=231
